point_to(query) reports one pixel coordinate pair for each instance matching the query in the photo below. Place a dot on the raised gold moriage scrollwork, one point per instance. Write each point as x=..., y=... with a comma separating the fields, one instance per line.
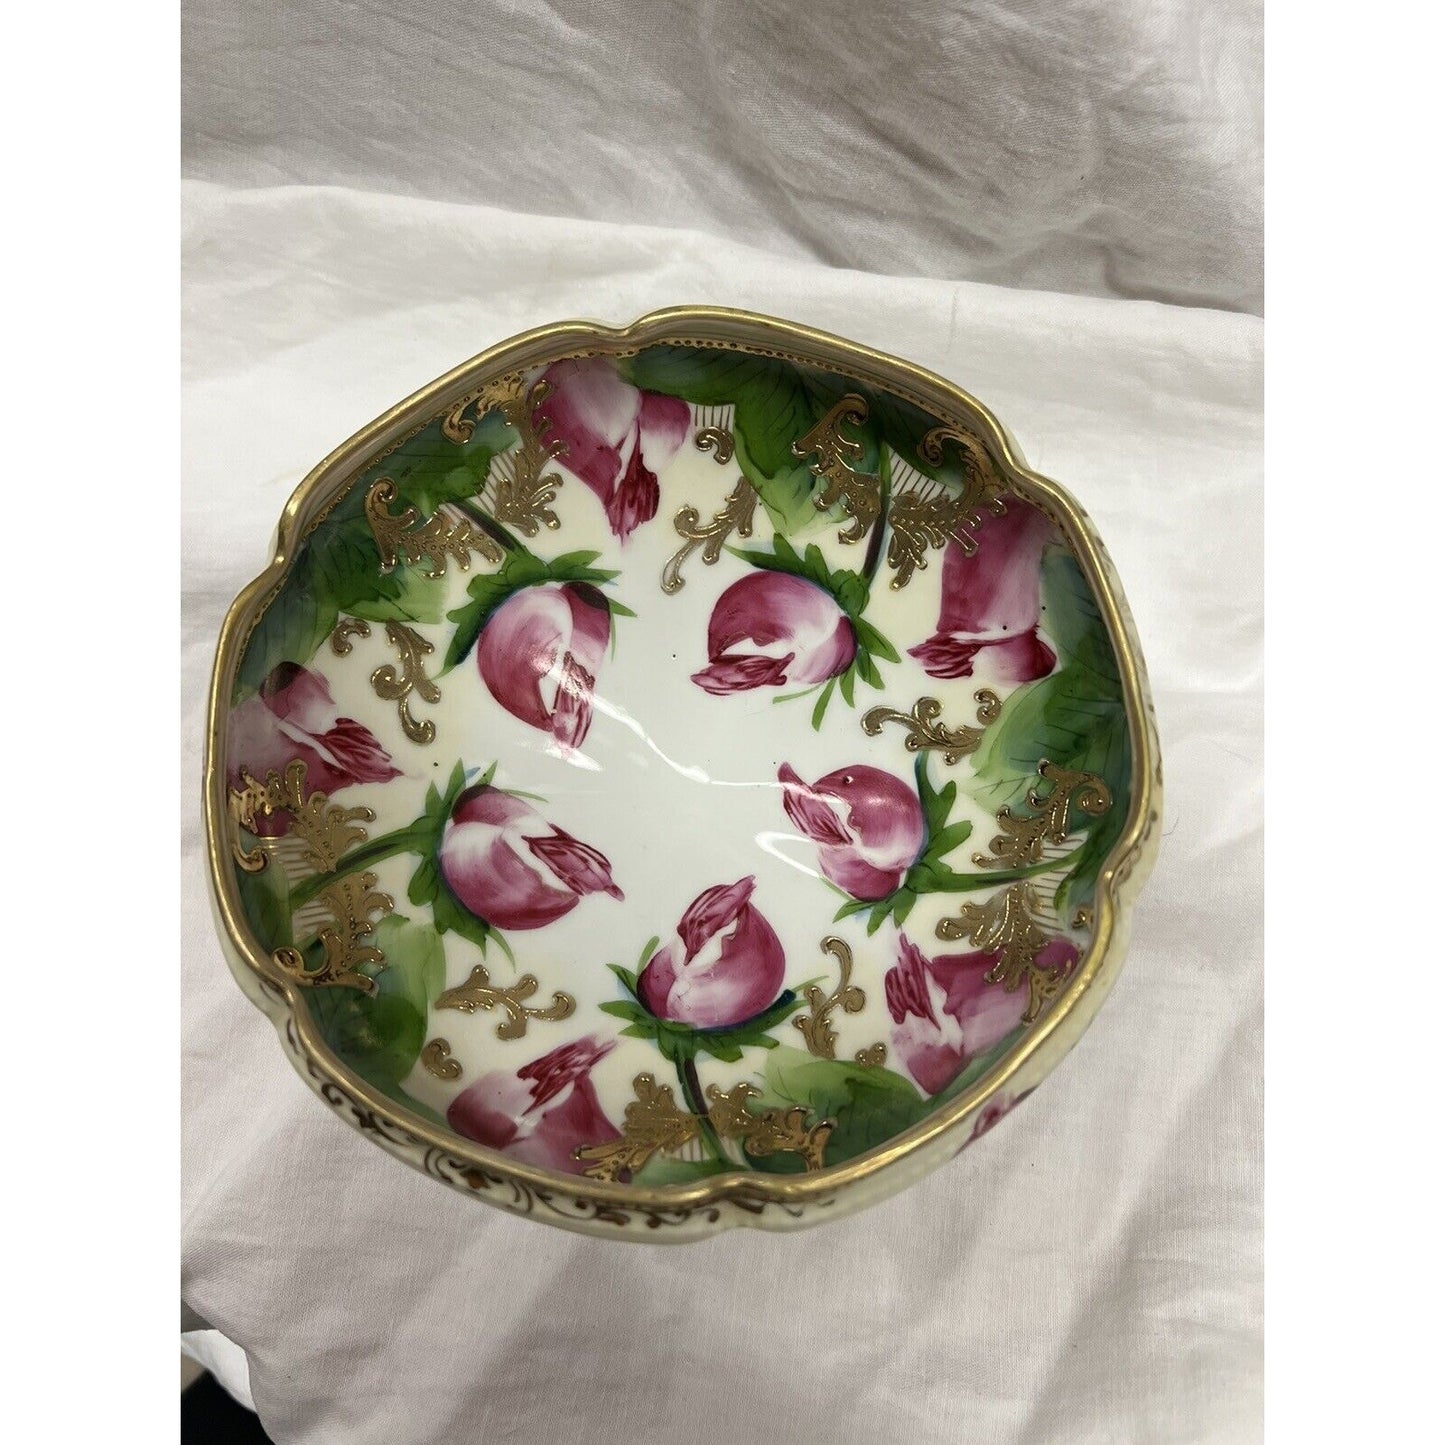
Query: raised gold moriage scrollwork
x=816, y=1026
x=351, y=901
x=773, y=1131
x=436, y=1059
x=398, y=687
x=405, y=536
x=650, y=1123
x=718, y=440
x=499, y=393
x=519, y=490
x=925, y=731
x=1021, y=843
x=344, y=631
x=923, y=517
x=873, y=1057
x=860, y=494
x=479, y=992
x=1008, y=924
x=736, y=516
x=325, y=829
x=653, y=1122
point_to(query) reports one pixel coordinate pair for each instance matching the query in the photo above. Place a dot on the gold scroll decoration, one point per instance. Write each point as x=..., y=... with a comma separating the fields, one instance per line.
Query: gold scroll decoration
x=924, y=730
x=406, y=536
x=325, y=829
x=653, y=1122
x=859, y=493
x=519, y=490
x=1008, y=924
x=351, y=901
x=736, y=516
x=1020, y=843
x=925, y=515
x=479, y=992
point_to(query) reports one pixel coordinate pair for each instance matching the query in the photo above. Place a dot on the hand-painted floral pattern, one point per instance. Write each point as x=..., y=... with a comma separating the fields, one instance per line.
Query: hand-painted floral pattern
x=540, y=652
x=771, y=628
x=945, y=1012
x=988, y=624
x=868, y=826
x=543, y=1111
x=617, y=438
x=725, y=966
x=293, y=716
x=508, y=865
x=800, y=612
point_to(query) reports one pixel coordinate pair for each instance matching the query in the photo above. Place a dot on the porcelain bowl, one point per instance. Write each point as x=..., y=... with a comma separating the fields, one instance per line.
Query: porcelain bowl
x=678, y=777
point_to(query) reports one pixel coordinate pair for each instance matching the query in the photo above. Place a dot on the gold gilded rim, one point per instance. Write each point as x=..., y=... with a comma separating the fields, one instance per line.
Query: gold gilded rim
x=1119, y=880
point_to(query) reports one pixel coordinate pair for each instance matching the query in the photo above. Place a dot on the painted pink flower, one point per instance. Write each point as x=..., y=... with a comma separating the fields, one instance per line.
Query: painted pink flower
x=988, y=622
x=541, y=1113
x=540, y=652
x=868, y=826
x=945, y=1013
x=771, y=628
x=725, y=965
x=995, y=1110
x=618, y=438
x=294, y=716
x=509, y=866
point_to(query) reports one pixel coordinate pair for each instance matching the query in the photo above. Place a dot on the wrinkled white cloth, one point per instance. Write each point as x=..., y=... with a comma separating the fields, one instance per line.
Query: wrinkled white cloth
x=1092, y=1271
x=1110, y=147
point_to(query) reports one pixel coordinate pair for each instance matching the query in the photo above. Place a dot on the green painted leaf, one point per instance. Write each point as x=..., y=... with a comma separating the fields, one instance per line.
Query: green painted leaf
x=662, y=1170
x=772, y=400
x=821, y=706
x=266, y=901
x=338, y=571
x=788, y=496
x=1075, y=718
x=869, y=1106
x=380, y=1035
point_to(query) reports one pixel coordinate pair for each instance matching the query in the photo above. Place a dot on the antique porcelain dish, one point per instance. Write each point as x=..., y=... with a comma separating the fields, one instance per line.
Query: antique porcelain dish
x=680, y=776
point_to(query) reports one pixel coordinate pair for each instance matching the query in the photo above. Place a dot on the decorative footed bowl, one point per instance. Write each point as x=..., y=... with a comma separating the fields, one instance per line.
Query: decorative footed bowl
x=679, y=777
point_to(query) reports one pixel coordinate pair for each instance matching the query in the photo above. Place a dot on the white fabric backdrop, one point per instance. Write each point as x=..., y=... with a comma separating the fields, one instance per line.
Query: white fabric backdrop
x=1093, y=1271
x=1109, y=147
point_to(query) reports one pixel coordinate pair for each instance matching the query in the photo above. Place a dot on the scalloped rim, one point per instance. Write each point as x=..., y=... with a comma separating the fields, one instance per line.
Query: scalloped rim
x=889, y=1167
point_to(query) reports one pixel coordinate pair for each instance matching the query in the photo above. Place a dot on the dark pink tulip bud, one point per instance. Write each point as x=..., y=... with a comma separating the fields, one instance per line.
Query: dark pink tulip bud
x=541, y=1113
x=868, y=826
x=507, y=865
x=771, y=628
x=293, y=716
x=725, y=965
x=988, y=623
x=617, y=437
x=945, y=1013
x=540, y=652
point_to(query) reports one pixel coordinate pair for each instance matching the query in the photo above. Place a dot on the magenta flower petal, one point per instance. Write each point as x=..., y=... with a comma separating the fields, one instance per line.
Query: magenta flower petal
x=867, y=823
x=989, y=615
x=726, y=964
x=812, y=814
x=582, y=869
x=293, y=716
x=617, y=438
x=540, y=652
x=945, y=1011
x=543, y=1112
x=507, y=865
x=712, y=911
x=796, y=633
x=742, y=674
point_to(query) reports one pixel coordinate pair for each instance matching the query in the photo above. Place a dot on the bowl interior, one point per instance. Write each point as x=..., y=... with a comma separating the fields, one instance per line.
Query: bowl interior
x=677, y=763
